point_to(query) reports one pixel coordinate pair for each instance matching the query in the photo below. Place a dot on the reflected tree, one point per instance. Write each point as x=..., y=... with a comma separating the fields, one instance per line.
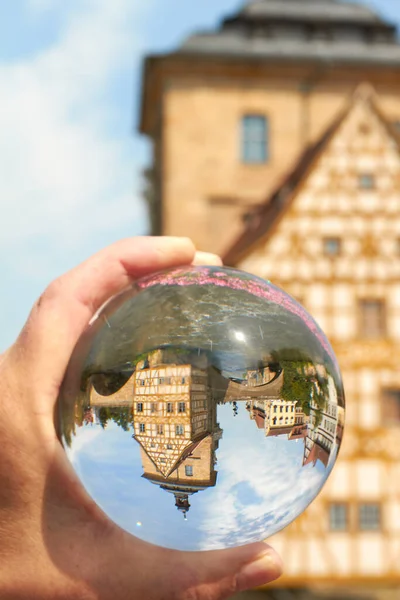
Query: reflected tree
x=302, y=381
x=121, y=415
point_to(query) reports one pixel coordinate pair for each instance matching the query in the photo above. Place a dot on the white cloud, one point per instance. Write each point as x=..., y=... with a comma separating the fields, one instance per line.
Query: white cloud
x=282, y=489
x=64, y=176
x=84, y=436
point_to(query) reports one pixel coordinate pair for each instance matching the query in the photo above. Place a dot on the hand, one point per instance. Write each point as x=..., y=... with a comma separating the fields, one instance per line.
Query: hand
x=55, y=543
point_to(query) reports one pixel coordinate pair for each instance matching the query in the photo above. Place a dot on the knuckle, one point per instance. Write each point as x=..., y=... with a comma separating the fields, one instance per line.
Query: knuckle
x=51, y=293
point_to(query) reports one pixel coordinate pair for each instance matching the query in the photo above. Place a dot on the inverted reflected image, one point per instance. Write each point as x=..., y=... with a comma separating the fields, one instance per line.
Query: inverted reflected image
x=209, y=443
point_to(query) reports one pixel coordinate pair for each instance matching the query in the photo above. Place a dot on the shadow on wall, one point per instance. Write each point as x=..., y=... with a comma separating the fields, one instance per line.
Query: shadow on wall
x=287, y=594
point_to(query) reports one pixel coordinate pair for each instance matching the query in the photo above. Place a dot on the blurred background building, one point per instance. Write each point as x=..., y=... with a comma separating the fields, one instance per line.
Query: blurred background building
x=276, y=143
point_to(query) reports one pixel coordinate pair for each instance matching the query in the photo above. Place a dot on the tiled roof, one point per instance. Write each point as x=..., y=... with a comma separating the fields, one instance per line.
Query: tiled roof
x=304, y=30
x=311, y=9
x=316, y=51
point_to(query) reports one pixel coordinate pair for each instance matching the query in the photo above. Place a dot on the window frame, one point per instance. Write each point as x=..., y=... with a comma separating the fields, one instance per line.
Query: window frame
x=336, y=521
x=255, y=138
x=369, y=505
x=388, y=394
x=334, y=240
x=362, y=318
x=366, y=181
x=189, y=468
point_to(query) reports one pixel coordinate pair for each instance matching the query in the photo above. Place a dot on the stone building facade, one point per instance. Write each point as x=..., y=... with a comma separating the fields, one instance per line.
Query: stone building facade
x=276, y=143
x=295, y=64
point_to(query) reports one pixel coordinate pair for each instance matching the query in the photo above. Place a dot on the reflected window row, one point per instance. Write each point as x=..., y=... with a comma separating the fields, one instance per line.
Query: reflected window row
x=275, y=420
x=281, y=409
x=179, y=429
x=162, y=381
x=170, y=407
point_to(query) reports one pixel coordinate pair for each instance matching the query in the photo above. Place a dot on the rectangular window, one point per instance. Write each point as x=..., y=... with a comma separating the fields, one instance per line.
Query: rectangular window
x=369, y=517
x=183, y=380
x=332, y=246
x=189, y=471
x=142, y=382
x=170, y=407
x=179, y=429
x=161, y=381
x=372, y=318
x=366, y=181
x=153, y=407
x=338, y=517
x=390, y=407
x=169, y=446
x=139, y=407
x=142, y=427
x=181, y=407
x=254, y=139
x=160, y=429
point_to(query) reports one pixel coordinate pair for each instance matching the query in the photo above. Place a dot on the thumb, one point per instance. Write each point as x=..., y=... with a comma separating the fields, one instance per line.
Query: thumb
x=220, y=574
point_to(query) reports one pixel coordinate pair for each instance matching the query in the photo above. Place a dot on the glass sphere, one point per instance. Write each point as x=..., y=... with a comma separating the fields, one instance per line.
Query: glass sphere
x=202, y=408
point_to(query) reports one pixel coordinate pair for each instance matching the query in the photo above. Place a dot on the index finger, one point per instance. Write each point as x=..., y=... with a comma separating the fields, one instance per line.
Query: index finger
x=62, y=312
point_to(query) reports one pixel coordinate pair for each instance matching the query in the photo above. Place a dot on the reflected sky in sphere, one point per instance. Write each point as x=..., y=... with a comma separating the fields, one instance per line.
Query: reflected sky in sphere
x=203, y=408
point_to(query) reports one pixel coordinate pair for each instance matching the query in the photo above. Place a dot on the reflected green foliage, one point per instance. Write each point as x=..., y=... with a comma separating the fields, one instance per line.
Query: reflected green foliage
x=121, y=415
x=302, y=383
x=70, y=417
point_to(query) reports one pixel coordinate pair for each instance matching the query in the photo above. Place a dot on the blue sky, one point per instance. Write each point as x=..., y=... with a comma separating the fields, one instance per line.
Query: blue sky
x=70, y=156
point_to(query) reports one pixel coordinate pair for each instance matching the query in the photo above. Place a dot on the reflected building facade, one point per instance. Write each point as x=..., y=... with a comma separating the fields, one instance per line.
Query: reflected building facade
x=321, y=431
x=175, y=424
x=276, y=417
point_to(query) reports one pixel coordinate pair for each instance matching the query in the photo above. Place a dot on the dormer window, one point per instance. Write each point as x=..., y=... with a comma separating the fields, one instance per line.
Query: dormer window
x=366, y=181
x=332, y=246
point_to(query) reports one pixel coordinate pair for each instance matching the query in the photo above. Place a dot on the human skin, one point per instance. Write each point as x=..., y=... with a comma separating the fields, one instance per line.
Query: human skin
x=55, y=542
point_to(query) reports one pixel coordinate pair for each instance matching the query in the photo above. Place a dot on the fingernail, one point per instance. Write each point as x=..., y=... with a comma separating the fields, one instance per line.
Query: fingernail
x=173, y=240
x=262, y=570
x=207, y=258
